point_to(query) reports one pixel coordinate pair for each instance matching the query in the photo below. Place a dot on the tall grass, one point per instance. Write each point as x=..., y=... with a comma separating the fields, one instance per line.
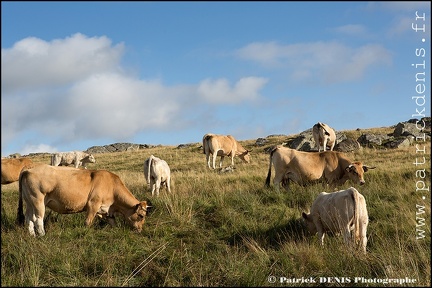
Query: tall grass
x=223, y=229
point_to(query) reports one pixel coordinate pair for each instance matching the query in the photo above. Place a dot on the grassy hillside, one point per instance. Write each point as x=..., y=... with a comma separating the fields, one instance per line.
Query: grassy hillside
x=227, y=229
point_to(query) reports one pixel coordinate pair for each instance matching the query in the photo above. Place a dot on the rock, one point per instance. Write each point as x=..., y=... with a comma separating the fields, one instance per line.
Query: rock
x=261, y=142
x=347, y=145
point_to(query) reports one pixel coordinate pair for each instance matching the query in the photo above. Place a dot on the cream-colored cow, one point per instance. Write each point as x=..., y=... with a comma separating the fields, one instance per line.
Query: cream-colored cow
x=343, y=211
x=157, y=173
x=67, y=190
x=75, y=158
x=324, y=136
x=303, y=167
x=11, y=168
x=221, y=145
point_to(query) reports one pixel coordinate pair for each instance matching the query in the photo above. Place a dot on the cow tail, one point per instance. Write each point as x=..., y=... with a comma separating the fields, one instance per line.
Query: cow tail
x=204, y=144
x=356, y=215
x=206, y=139
x=267, y=183
x=149, y=170
x=20, y=212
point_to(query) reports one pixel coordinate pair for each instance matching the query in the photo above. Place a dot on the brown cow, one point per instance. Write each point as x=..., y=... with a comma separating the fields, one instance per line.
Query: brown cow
x=221, y=145
x=11, y=168
x=303, y=167
x=342, y=211
x=67, y=190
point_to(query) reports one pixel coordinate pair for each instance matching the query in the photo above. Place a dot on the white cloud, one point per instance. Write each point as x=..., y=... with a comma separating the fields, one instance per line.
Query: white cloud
x=219, y=91
x=74, y=89
x=351, y=30
x=327, y=62
x=40, y=148
x=404, y=14
x=32, y=62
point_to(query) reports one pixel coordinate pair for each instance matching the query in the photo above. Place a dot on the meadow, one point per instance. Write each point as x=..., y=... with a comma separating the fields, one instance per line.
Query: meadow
x=227, y=229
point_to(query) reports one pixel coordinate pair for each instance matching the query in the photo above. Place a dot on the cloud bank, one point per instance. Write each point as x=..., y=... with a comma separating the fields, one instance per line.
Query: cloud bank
x=75, y=88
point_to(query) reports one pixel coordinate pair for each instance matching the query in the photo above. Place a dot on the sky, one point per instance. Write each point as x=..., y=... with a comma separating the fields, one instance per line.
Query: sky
x=81, y=74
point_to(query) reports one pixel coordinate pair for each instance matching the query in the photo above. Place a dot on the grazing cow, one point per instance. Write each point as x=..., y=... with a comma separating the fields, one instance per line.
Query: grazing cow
x=11, y=168
x=223, y=146
x=303, y=167
x=67, y=190
x=157, y=173
x=76, y=158
x=339, y=212
x=324, y=136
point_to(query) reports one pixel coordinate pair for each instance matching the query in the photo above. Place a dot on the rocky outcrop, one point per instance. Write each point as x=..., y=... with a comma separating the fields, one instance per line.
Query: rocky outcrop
x=117, y=147
x=404, y=134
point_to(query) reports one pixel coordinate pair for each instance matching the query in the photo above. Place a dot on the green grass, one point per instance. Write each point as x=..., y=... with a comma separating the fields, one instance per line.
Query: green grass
x=222, y=229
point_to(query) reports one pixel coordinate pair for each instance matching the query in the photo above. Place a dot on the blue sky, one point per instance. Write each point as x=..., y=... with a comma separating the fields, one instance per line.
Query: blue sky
x=82, y=74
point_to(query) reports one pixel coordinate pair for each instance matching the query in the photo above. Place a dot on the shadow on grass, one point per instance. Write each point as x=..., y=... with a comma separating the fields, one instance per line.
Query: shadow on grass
x=293, y=230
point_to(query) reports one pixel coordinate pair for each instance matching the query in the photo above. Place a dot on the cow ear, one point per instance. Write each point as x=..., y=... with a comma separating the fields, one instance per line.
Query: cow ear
x=305, y=216
x=349, y=167
x=141, y=206
x=366, y=168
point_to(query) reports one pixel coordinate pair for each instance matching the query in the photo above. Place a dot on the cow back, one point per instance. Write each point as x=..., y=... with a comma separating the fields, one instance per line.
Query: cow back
x=221, y=143
x=67, y=190
x=336, y=210
x=11, y=168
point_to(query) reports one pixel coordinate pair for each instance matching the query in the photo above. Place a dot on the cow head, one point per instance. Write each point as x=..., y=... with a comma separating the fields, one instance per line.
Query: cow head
x=245, y=156
x=137, y=219
x=355, y=172
x=91, y=158
x=310, y=225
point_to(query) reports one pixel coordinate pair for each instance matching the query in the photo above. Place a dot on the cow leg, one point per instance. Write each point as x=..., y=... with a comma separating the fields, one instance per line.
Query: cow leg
x=320, y=230
x=332, y=146
x=168, y=184
x=363, y=237
x=321, y=235
x=221, y=161
x=90, y=216
x=232, y=158
x=152, y=185
x=158, y=185
x=38, y=221
x=347, y=234
x=208, y=160
x=36, y=215
x=214, y=159
x=316, y=143
x=30, y=220
x=93, y=208
x=277, y=180
x=77, y=162
x=30, y=225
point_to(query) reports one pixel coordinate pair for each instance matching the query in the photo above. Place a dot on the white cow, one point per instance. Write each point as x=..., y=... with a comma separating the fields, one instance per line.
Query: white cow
x=157, y=173
x=342, y=211
x=324, y=136
x=75, y=158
